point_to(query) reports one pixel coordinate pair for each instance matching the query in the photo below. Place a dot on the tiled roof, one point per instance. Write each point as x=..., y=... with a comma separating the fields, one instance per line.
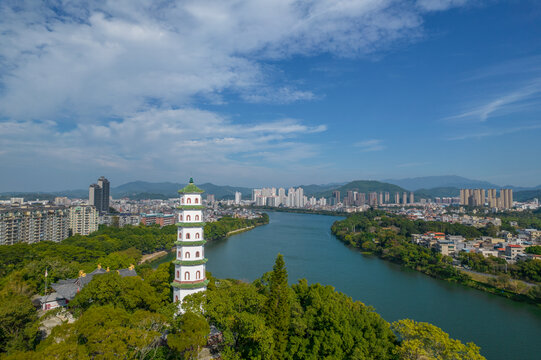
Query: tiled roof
x=68, y=288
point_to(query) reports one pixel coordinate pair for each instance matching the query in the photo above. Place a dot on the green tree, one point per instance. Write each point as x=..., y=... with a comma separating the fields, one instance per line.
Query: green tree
x=420, y=341
x=130, y=293
x=533, y=250
x=188, y=335
x=18, y=323
x=277, y=309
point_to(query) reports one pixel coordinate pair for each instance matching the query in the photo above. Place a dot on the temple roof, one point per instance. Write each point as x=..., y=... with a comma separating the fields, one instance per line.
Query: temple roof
x=191, y=188
x=68, y=288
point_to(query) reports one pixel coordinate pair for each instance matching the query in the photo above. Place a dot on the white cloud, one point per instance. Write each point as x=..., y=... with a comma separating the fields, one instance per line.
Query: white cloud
x=438, y=5
x=478, y=134
x=106, y=58
x=515, y=101
x=164, y=142
x=370, y=145
x=67, y=70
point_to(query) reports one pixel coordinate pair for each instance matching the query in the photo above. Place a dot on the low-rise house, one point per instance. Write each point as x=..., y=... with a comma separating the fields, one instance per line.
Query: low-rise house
x=486, y=252
x=446, y=248
x=513, y=250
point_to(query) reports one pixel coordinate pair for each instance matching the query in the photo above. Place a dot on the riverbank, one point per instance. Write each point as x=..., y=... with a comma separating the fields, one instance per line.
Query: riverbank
x=365, y=233
x=301, y=211
x=153, y=256
x=238, y=231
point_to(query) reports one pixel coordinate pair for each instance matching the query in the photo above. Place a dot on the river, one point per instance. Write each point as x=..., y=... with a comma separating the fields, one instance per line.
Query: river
x=503, y=328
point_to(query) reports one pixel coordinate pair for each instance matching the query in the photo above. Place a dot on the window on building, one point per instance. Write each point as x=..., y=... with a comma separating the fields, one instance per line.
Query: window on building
x=187, y=235
x=176, y=297
x=198, y=274
x=180, y=218
x=197, y=236
x=188, y=218
x=178, y=274
x=179, y=254
x=196, y=217
x=197, y=254
x=186, y=276
x=189, y=201
x=196, y=200
x=187, y=255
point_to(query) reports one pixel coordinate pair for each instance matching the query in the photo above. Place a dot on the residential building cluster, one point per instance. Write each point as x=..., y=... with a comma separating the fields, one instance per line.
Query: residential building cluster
x=448, y=215
x=294, y=198
x=31, y=223
x=508, y=247
x=478, y=197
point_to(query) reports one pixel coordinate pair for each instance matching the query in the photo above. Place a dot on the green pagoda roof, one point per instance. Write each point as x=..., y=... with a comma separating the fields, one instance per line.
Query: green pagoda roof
x=191, y=189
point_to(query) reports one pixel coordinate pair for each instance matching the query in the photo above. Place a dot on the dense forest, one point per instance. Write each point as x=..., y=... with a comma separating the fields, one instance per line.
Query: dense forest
x=134, y=318
x=389, y=237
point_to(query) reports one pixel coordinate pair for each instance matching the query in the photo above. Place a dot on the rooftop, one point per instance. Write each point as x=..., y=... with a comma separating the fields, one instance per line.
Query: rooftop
x=191, y=188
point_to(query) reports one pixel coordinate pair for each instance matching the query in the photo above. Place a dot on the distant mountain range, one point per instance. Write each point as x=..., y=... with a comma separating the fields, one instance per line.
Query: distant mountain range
x=424, y=187
x=447, y=181
x=169, y=190
x=450, y=181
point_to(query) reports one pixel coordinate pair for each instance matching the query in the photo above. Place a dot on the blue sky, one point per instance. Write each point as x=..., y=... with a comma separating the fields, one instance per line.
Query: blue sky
x=268, y=92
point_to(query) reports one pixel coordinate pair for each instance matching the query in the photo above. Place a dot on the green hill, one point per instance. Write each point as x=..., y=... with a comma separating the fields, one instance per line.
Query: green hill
x=363, y=186
x=526, y=195
x=437, y=192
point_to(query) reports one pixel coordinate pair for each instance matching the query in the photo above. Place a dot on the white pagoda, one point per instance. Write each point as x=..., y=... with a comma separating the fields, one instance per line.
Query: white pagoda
x=190, y=261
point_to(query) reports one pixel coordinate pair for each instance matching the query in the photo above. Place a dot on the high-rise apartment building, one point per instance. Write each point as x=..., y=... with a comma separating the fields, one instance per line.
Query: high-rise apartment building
x=405, y=198
x=397, y=198
x=238, y=197
x=412, y=197
x=255, y=194
x=476, y=197
x=336, y=197
x=98, y=195
x=492, y=198
x=380, y=198
x=83, y=219
x=373, y=198
x=360, y=199
x=31, y=224
x=387, y=197
x=507, y=198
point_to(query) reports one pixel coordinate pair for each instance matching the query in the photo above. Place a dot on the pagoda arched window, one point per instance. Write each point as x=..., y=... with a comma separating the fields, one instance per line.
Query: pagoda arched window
x=179, y=254
x=198, y=274
x=180, y=217
x=196, y=200
x=196, y=217
x=189, y=201
x=188, y=218
x=187, y=255
x=178, y=274
x=176, y=297
x=187, y=235
x=197, y=254
x=197, y=236
x=186, y=276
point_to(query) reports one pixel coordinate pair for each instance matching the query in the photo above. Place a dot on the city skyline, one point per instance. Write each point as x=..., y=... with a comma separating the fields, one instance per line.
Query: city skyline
x=294, y=94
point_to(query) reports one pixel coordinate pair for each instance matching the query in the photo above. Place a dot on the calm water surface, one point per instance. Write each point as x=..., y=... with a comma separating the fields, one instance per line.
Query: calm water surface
x=503, y=328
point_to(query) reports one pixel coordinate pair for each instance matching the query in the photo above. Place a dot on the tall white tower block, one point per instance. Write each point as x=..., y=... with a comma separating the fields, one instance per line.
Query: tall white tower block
x=190, y=258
